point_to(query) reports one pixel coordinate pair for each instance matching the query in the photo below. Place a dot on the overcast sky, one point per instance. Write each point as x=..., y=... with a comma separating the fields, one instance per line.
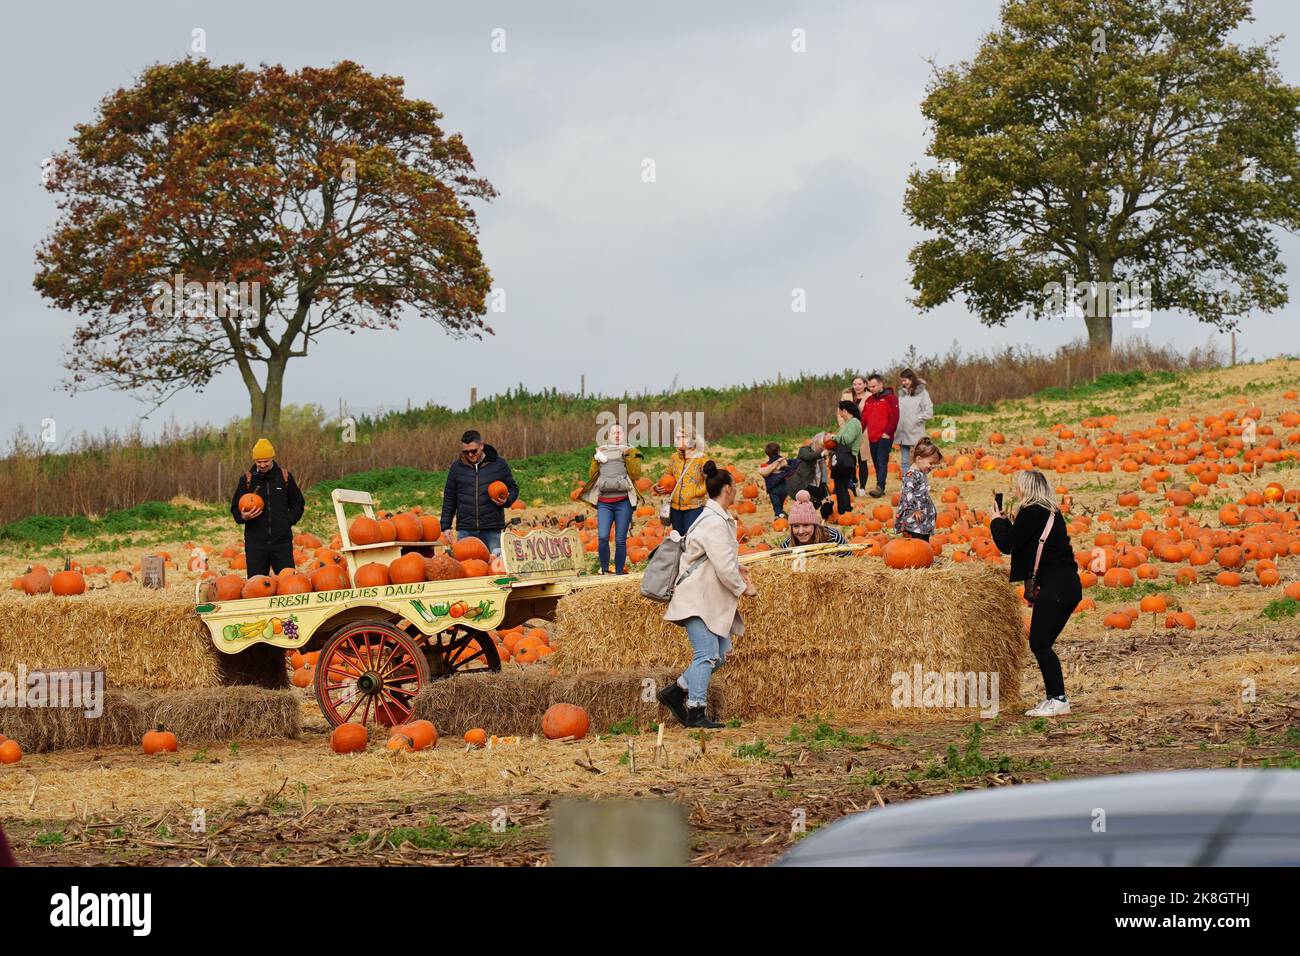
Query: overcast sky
x=775, y=170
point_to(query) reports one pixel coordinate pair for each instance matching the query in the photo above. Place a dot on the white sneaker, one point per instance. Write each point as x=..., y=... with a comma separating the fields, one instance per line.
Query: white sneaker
x=1051, y=707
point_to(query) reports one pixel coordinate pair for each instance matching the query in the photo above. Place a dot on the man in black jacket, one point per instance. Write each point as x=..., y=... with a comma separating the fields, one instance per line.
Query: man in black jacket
x=465, y=496
x=268, y=530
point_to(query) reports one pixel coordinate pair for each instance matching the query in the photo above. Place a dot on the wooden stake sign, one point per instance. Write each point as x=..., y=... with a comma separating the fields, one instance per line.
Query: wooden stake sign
x=153, y=572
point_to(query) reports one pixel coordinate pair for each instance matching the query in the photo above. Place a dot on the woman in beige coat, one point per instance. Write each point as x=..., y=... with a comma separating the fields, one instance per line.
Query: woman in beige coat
x=706, y=597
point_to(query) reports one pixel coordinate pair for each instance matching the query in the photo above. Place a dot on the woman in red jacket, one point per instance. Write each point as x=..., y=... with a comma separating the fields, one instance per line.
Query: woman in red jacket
x=879, y=422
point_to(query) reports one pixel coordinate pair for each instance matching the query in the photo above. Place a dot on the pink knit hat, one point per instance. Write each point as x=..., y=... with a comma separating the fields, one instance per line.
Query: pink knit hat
x=802, y=511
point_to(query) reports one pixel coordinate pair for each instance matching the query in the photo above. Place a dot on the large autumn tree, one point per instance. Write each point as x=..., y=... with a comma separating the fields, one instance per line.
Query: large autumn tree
x=1108, y=141
x=335, y=200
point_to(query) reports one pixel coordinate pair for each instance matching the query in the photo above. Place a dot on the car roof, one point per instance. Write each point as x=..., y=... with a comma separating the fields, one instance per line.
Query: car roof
x=1180, y=817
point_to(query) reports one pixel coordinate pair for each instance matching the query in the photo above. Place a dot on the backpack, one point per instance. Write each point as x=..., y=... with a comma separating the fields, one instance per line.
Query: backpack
x=660, y=578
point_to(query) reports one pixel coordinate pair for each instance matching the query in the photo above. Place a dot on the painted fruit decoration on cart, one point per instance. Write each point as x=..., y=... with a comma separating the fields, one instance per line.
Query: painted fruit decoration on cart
x=264, y=629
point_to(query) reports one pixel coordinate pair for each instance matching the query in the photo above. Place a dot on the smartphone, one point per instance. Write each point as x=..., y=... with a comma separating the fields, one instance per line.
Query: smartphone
x=997, y=498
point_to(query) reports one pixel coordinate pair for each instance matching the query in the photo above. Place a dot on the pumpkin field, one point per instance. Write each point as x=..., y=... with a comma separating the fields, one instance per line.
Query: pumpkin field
x=1182, y=494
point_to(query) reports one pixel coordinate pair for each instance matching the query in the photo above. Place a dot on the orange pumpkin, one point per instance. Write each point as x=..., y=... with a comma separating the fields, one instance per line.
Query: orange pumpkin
x=474, y=568
x=229, y=587
x=498, y=491
x=364, y=530
x=430, y=528
x=476, y=737
x=565, y=720
x=293, y=583
x=349, y=738
x=372, y=575
x=908, y=553
x=159, y=741
x=10, y=752
x=68, y=582
x=466, y=549
x=408, y=569
x=423, y=734
x=259, y=586
x=303, y=676
x=251, y=502
x=329, y=578
x=408, y=527
x=37, y=580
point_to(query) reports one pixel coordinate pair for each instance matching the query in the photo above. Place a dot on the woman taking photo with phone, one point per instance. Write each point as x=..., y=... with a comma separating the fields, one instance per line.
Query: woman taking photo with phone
x=1042, y=557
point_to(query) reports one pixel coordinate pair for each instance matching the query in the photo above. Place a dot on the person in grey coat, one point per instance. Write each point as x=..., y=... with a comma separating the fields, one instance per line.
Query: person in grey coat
x=914, y=410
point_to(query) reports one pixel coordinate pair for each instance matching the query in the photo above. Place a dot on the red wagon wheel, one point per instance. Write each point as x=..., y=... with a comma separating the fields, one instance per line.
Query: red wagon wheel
x=462, y=650
x=369, y=671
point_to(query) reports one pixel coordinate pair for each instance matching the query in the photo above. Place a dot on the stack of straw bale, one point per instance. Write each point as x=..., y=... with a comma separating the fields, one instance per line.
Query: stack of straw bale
x=827, y=639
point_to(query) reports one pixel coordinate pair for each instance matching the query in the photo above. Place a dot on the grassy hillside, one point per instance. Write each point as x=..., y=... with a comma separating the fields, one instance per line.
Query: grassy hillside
x=101, y=476
x=546, y=479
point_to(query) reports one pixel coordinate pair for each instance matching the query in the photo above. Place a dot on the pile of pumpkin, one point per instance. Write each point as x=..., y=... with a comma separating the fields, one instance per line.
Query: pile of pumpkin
x=67, y=582
x=560, y=722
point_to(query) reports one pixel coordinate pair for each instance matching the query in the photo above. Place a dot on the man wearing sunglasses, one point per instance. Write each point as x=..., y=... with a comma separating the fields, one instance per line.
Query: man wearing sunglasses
x=465, y=497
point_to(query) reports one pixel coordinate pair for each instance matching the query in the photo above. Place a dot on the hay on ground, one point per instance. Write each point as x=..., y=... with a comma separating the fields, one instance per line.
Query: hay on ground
x=513, y=701
x=829, y=638
x=144, y=640
x=195, y=716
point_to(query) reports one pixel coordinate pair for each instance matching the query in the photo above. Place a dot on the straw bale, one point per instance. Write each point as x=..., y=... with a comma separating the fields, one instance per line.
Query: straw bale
x=513, y=701
x=825, y=639
x=226, y=713
x=42, y=729
x=203, y=714
x=144, y=640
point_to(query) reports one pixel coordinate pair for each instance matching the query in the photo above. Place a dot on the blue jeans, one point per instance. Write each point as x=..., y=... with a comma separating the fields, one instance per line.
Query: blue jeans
x=619, y=514
x=492, y=539
x=682, y=520
x=880, y=458
x=905, y=453
x=710, y=654
x=778, y=496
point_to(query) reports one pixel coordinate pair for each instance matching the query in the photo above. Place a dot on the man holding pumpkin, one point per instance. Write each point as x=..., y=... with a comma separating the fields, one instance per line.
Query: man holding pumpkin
x=268, y=504
x=478, y=491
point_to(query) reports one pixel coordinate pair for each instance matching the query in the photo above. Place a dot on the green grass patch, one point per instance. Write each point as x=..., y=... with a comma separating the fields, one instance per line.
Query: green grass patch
x=822, y=735
x=1281, y=608
x=971, y=762
x=50, y=530
x=435, y=837
x=754, y=751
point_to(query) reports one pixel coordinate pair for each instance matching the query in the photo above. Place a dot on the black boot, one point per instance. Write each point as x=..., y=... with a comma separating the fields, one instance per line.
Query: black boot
x=674, y=698
x=698, y=718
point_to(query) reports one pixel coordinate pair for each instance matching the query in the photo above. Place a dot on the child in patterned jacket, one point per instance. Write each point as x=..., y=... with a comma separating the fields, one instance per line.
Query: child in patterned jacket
x=916, y=511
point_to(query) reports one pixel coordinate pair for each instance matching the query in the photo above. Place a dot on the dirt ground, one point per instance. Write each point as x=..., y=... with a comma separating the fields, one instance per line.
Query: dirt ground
x=1225, y=694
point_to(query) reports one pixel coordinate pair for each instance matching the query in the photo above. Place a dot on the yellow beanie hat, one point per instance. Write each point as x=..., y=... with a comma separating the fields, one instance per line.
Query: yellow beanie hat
x=263, y=449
